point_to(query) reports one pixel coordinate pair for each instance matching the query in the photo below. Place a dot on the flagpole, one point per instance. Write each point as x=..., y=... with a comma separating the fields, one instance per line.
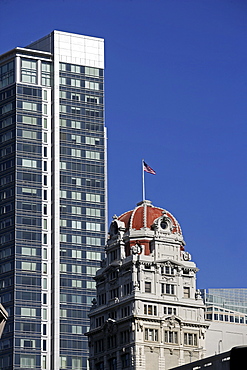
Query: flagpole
x=143, y=182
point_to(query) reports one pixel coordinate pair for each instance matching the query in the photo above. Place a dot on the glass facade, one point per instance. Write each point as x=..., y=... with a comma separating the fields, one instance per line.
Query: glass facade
x=52, y=205
x=228, y=305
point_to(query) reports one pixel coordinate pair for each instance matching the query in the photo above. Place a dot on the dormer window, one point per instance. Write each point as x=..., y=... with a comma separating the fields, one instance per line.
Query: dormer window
x=164, y=224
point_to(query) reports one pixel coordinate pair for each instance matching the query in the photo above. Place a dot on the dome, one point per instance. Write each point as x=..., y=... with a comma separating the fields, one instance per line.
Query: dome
x=145, y=214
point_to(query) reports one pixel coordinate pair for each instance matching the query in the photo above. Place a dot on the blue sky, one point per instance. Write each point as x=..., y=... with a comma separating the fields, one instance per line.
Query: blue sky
x=175, y=92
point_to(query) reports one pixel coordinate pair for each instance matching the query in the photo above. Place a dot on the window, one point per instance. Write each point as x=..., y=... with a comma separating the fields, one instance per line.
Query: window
x=46, y=74
x=77, y=140
x=93, y=256
x=28, y=71
x=30, y=266
x=75, y=110
x=90, y=71
x=28, y=343
x=91, y=284
x=44, y=357
x=124, y=336
x=76, y=269
x=114, y=293
x=127, y=289
x=74, y=82
x=28, y=251
x=29, y=106
x=76, y=239
x=91, y=140
x=63, y=267
x=76, y=363
x=150, y=310
x=92, y=113
x=29, y=120
x=76, y=283
x=76, y=152
x=27, y=361
x=76, y=254
x=62, y=66
x=93, y=241
x=26, y=311
x=44, y=313
x=91, y=85
x=92, y=155
x=76, y=124
x=45, y=224
x=7, y=108
x=76, y=181
x=186, y=292
x=93, y=212
x=63, y=122
x=75, y=69
x=75, y=97
x=63, y=238
x=63, y=194
x=170, y=311
x=62, y=80
x=76, y=195
x=44, y=268
x=91, y=270
x=77, y=329
x=99, y=345
x=151, y=335
x=111, y=341
x=44, y=283
x=63, y=297
x=171, y=336
x=63, y=108
x=63, y=362
x=125, y=360
x=92, y=99
x=63, y=313
x=76, y=299
x=63, y=165
x=26, y=134
x=147, y=287
x=76, y=210
x=93, y=198
x=76, y=225
x=7, y=74
x=29, y=163
x=63, y=223
x=92, y=226
x=190, y=339
x=167, y=289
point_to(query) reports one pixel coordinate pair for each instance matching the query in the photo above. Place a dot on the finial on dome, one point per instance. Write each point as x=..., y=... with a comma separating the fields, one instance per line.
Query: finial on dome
x=144, y=202
x=114, y=217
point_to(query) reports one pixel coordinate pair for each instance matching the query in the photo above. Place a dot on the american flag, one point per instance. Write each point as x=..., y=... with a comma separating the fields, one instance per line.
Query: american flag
x=148, y=169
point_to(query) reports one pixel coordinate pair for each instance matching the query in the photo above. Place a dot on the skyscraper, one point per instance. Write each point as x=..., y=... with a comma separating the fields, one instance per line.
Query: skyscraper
x=52, y=198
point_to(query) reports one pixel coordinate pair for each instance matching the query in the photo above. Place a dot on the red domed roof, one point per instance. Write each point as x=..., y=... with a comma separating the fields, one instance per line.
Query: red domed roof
x=144, y=215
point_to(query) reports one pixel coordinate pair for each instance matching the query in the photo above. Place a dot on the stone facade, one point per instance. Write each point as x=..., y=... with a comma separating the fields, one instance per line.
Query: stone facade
x=148, y=313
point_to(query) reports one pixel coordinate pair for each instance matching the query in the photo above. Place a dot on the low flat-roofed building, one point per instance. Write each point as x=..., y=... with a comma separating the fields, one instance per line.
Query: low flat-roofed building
x=226, y=311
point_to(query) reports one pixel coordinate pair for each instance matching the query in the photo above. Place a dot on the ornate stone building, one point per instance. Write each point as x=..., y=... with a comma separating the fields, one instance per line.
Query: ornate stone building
x=148, y=313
